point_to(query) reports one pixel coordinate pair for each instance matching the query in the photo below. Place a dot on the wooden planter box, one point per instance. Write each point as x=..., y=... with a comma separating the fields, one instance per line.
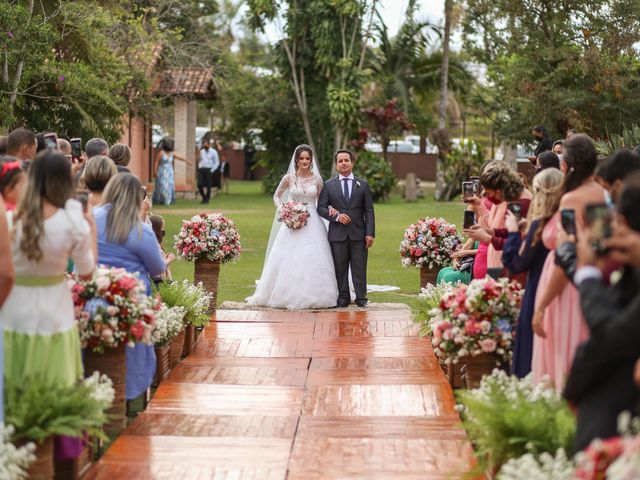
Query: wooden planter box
x=427, y=276
x=175, y=349
x=208, y=272
x=474, y=368
x=162, y=363
x=190, y=339
x=113, y=364
x=76, y=468
x=42, y=467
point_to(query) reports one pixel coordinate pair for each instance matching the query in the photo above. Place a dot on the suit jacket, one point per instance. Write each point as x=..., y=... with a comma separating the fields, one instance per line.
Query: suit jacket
x=600, y=382
x=359, y=208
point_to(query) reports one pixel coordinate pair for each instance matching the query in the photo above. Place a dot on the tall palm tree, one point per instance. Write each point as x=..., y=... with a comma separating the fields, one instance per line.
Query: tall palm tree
x=444, y=83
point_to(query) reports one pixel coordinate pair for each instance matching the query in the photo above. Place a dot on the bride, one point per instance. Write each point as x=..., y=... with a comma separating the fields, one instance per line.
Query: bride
x=298, y=270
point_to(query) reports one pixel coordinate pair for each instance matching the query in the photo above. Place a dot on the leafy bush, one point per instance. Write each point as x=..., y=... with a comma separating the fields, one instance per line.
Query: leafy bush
x=461, y=162
x=507, y=418
x=193, y=298
x=629, y=138
x=40, y=407
x=377, y=172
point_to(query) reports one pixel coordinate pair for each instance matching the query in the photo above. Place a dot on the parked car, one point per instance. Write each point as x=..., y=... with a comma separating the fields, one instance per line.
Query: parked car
x=400, y=146
x=415, y=141
x=373, y=147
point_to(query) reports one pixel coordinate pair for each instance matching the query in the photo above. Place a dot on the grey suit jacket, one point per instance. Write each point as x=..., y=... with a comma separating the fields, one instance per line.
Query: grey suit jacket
x=359, y=208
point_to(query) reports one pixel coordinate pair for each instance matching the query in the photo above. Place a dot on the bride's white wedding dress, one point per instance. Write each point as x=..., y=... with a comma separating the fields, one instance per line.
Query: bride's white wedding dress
x=298, y=273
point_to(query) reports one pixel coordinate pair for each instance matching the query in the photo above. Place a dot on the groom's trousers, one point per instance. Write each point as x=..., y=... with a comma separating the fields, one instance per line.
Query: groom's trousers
x=350, y=253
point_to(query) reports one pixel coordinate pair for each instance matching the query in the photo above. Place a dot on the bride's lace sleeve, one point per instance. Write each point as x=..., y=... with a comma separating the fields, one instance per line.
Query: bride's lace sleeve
x=319, y=184
x=284, y=185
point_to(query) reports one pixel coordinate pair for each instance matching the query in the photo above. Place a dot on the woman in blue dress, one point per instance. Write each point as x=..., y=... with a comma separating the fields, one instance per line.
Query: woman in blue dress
x=529, y=256
x=164, y=192
x=125, y=241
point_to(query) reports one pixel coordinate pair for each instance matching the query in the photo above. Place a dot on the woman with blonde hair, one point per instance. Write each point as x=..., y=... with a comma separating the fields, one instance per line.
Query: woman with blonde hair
x=95, y=176
x=124, y=241
x=40, y=334
x=528, y=256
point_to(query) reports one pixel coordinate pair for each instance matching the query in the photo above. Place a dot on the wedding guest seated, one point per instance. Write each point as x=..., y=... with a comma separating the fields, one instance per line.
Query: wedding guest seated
x=601, y=381
x=121, y=156
x=124, y=241
x=528, y=256
x=462, y=267
x=12, y=181
x=157, y=223
x=95, y=177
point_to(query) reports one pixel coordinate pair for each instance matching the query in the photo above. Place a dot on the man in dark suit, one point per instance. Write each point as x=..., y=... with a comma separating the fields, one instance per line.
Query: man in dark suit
x=600, y=383
x=346, y=202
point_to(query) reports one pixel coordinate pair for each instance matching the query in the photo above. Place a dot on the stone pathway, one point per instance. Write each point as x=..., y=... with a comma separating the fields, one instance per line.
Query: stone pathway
x=298, y=395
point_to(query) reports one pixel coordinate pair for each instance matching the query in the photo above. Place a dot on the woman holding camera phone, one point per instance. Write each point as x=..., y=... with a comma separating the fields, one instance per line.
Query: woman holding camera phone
x=501, y=186
x=558, y=321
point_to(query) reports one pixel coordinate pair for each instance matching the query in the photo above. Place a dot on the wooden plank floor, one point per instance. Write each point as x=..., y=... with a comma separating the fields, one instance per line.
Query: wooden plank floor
x=298, y=395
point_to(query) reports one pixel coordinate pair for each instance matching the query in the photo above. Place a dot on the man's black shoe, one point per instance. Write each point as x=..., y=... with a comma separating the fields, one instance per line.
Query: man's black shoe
x=342, y=304
x=362, y=303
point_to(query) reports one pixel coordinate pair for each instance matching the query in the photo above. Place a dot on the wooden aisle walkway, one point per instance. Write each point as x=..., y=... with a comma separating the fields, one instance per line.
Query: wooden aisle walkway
x=302, y=396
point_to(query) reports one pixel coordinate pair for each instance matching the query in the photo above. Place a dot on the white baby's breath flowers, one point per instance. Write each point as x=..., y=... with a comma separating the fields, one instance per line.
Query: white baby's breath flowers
x=168, y=324
x=542, y=467
x=14, y=461
x=101, y=388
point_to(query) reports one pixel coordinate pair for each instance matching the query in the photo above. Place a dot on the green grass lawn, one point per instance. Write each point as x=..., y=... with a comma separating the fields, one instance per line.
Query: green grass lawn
x=253, y=213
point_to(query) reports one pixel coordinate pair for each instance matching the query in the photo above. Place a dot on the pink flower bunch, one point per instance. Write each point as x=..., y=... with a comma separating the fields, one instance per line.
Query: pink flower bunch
x=293, y=214
x=113, y=308
x=430, y=242
x=476, y=318
x=209, y=235
x=593, y=462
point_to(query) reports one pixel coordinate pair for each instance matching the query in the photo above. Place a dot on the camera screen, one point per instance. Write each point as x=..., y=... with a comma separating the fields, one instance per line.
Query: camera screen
x=598, y=217
x=51, y=141
x=467, y=191
x=76, y=148
x=568, y=220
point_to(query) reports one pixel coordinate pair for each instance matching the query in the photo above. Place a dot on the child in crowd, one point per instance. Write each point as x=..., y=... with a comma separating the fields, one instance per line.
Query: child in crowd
x=12, y=181
x=157, y=223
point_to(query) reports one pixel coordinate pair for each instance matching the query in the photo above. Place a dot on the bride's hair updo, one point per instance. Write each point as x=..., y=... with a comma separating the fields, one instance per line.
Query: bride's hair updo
x=299, y=150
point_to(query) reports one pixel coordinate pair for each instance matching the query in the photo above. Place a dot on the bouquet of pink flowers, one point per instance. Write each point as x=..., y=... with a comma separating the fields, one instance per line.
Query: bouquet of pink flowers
x=476, y=318
x=113, y=308
x=430, y=243
x=209, y=235
x=293, y=214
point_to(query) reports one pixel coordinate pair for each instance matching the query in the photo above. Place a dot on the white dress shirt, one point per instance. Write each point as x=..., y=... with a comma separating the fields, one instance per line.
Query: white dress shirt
x=349, y=183
x=209, y=159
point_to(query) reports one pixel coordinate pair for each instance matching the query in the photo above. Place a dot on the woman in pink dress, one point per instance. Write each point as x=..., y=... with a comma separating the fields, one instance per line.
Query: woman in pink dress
x=558, y=322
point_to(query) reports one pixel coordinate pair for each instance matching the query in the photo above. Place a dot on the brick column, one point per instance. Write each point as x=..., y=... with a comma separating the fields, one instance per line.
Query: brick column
x=185, y=141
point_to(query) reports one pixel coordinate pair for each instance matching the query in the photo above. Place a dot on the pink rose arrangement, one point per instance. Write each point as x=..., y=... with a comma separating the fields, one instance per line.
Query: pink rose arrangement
x=113, y=308
x=476, y=318
x=430, y=243
x=209, y=235
x=293, y=214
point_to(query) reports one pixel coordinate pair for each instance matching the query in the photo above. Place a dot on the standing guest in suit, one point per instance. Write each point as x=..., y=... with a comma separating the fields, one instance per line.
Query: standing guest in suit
x=346, y=202
x=601, y=381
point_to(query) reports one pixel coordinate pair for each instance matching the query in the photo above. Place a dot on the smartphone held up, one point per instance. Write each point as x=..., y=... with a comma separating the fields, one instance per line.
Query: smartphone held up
x=568, y=220
x=469, y=219
x=468, y=192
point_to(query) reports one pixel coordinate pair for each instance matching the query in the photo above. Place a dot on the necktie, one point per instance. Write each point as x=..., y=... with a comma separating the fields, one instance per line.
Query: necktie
x=345, y=188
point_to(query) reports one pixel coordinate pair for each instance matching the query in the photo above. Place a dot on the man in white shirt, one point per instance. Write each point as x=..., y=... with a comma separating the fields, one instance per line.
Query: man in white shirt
x=209, y=162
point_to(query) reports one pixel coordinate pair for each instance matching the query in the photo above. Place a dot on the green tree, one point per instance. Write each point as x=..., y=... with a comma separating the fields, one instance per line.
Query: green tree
x=561, y=64
x=326, y=55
